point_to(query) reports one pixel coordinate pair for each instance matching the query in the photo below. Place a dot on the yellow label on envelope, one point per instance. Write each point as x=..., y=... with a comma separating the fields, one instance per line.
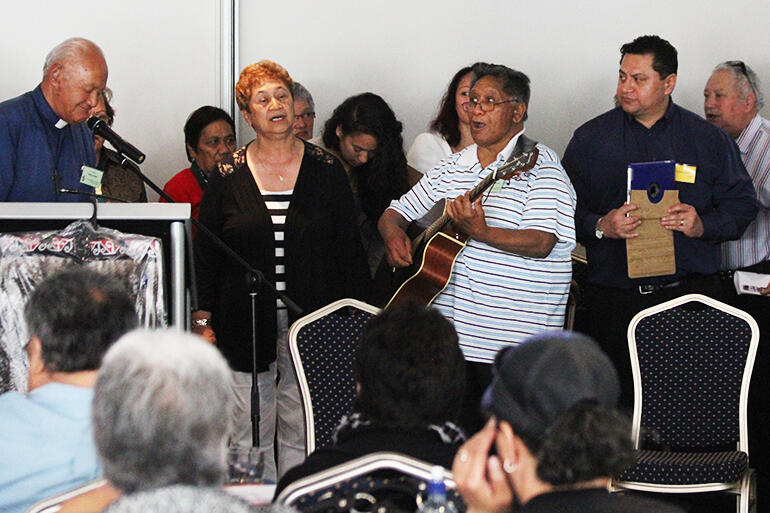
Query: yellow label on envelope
x=685, y=173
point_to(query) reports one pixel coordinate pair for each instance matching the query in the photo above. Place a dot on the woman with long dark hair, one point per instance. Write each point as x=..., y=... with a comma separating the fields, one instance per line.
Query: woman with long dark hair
x=364, y=134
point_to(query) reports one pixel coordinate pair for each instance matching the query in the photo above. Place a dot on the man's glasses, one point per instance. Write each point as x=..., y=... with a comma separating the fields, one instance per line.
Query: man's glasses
x=307, y=116
x=486, y=105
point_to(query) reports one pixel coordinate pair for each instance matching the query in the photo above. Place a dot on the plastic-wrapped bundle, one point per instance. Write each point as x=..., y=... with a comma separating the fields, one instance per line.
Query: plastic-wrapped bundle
x=27, y=258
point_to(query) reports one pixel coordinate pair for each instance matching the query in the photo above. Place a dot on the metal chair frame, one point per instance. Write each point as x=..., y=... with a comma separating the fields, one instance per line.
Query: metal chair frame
x=744, y=488
x=299, y=365
x=360, y=467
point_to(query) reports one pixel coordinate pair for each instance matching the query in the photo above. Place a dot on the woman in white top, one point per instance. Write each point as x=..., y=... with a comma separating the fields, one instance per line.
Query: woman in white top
x=450, y=133
x=450, y=130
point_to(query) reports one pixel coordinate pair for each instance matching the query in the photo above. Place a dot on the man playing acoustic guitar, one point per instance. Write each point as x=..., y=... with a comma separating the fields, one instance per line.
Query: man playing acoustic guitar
x=511, y=280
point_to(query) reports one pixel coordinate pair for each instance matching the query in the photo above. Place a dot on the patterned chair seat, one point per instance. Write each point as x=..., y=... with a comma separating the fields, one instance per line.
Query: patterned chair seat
x=684, y=468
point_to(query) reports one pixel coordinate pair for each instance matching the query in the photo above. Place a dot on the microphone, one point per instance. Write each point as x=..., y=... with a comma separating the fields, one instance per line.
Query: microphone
x=99, y=127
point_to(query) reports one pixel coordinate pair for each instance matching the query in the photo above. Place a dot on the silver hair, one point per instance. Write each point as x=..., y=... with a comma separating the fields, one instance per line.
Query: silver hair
x=746, y=80
x=300, y=92
x=180, y=499
x=69, y=49
x=162, y=411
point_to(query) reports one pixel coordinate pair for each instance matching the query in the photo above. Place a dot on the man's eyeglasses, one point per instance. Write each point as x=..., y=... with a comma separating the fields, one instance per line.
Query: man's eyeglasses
x=307, y=116
x=486, y=105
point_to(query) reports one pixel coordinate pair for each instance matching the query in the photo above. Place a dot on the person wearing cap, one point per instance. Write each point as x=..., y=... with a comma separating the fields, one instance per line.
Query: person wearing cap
x=557, y=432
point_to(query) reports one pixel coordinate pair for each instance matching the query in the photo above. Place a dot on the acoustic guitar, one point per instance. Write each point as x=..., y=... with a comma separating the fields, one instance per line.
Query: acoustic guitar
x=435, y=250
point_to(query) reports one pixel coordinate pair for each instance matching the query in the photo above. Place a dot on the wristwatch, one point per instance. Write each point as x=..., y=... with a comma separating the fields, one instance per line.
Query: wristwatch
x=201, y=323
x=597, y=229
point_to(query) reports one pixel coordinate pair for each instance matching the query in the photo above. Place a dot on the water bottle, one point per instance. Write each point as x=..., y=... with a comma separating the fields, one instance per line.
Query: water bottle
x=436, y=501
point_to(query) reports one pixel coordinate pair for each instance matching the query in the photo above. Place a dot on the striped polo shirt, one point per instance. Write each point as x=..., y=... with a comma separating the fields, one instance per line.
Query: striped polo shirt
x=754, y=245
x=496, y=298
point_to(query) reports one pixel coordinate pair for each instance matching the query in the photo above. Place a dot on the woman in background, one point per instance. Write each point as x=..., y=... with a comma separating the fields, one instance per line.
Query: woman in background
x=118, y=183
x=365, y=135
x=209, y=137
x=450, y=133
x=284, y=205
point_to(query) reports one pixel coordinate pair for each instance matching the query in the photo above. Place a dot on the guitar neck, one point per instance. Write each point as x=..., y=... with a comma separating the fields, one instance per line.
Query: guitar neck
x=439, y=223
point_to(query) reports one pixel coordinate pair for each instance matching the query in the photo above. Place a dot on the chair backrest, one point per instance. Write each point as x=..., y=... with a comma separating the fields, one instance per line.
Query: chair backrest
x=322, y=346
x=692, y=359
x=357, y=474
x=54, y=504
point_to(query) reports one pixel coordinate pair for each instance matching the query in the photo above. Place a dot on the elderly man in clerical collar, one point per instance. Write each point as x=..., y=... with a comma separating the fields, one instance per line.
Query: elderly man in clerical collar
x=43, y=139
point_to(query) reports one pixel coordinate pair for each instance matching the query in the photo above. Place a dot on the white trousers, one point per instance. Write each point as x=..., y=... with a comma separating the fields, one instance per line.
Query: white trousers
x=279, y=405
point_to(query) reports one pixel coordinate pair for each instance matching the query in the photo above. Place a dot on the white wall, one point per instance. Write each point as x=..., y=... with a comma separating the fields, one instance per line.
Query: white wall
x=164, y=55
x=163, y=59
x=407, y=51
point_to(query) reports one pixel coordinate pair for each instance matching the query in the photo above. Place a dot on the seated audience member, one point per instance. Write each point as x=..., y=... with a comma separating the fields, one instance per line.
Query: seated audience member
x=558, y=434
x=209, y=137
x=365, y=135
x=180, y=499
x=117, y=182
x=304, y=112
x=450, y=133
x=46, y=445
x=162, y=412
x=410, y=374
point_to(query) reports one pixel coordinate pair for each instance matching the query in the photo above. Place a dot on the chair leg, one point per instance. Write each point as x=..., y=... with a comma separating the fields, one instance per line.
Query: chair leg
x=747, y=499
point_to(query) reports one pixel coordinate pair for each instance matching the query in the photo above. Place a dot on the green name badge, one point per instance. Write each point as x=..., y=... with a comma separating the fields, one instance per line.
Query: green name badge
x=498, y=186
x=91, y=176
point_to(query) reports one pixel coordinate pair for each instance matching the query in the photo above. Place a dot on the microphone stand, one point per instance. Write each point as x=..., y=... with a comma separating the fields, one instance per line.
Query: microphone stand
x=257, y=279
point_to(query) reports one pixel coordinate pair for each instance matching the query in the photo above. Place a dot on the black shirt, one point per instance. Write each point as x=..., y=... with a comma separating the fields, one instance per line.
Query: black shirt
x=595, y=500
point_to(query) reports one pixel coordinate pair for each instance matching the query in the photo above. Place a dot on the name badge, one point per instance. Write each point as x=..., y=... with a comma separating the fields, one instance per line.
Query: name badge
x=685, y=173
x=91, y=176
x=498, y=186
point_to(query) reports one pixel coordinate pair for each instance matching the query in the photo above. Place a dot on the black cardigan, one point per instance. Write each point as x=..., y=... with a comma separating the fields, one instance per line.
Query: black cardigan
x=324, y=257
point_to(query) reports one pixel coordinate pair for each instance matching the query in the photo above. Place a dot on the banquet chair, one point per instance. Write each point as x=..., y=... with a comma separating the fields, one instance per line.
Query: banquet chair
x=55, y=503
x=692, y=359
x=367, y=483
x=322, y=346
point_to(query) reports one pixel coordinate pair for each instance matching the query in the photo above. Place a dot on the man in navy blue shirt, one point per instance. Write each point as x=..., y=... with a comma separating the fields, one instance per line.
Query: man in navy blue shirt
x=43, y=138
x=717, y=206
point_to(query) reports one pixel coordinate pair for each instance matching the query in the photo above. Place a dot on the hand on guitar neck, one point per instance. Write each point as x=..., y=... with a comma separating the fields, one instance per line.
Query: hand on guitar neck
x=468, y=216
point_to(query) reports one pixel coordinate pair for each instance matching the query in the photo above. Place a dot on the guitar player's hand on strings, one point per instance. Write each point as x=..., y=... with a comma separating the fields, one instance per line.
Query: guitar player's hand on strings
x=468, y=216
x=398, y=247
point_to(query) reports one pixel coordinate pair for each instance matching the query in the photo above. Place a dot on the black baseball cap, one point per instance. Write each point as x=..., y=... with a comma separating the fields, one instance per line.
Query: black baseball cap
x=537, y=382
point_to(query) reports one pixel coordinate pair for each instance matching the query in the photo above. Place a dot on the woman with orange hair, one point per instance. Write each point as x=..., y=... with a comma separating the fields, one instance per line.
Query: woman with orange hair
x=286, y=207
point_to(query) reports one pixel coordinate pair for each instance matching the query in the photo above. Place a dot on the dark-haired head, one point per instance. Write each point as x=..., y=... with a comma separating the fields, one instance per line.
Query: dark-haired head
x=77, y=314
x=382, y=175
x=410, y=368
x=447, y=122
x=198, y=121
x=664, y=55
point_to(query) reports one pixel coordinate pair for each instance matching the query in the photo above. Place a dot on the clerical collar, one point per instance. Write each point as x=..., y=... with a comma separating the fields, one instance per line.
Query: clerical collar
x=61, y=124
